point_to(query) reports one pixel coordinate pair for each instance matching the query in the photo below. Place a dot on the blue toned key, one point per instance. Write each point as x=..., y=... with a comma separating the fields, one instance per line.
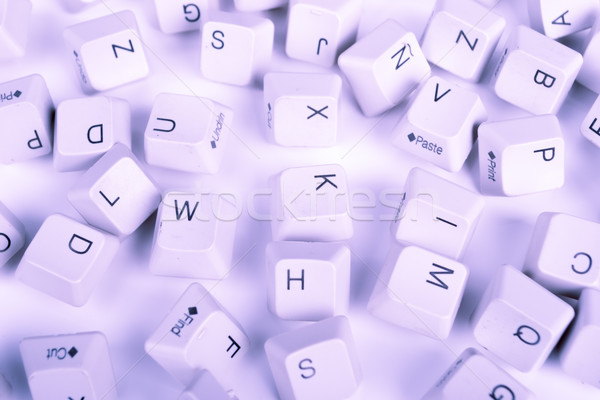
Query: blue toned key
x=12, y=234
x=72, y=366
x=66, y=259
x=26, y=107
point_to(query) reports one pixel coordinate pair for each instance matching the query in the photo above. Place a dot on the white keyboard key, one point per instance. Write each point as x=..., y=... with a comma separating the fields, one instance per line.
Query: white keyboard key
x=589, y=75
x=580, y=350
x=115, y=194
x=311, y=203
x=556, y=18
x=384, y=67
x=5, y=388
x=436, y=214
x=473, y=376
x=66, y=259
x=86, y=128
x=302, y=109
x=317, y=31
x=73, y=366
x=107, y=52
x=535, y=72
x=315, y=361
x=14, y=27
x=193, y=236
x=12, y=234
x=206, y=387
x=461, y=38
x=563, y=254
x=187, y=133
x=182, y=15
x=26, y=108
x=236, y=48
x=419, y=290
x=440, y=123
x=590, y=126
x=521, y=156
x=518, y=320
x=198, y=333
x=307, y=281
x=258, y=5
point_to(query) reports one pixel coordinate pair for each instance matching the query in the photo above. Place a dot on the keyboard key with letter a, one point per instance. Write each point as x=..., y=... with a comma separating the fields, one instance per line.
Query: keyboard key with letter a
x=556, y=19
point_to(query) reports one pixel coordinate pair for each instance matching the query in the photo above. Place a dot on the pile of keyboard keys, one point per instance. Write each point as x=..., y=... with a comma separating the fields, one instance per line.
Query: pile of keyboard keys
x=422, y=283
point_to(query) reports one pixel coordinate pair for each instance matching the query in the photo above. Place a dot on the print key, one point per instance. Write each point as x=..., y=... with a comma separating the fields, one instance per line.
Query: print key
x=74, y=366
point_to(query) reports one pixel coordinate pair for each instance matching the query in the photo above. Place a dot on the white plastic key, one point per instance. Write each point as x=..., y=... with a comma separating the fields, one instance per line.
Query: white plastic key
x=589, y=75
x=590, y=126
x=235, y=48
x=5, y=388
x=461, y=38
x=258, y=5
x=66, y=259
x=440, y=124
x=315, y=361
x=73, y=366
x=307, y=281
x=115, y=194
x=107, y=52
x=187, y=133
x=206, y=387
x=317, y=31
x=302, y=109
x=182, y=15
x=198, y=333
x=14, y=27
x=518, y=320
x=436, y=214
x=556, y=19
x=578, y=354
x=535, y=72
x=419, y=290
x=193, y=236
x=12, y=234
x=311, y=203
x=474, y=376
x=521, y=156
x=86, y=128
x=563, y=254
x=26, y=107
x=384, y=67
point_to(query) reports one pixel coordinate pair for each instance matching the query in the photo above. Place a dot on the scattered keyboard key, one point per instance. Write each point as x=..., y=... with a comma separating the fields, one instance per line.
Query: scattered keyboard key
x=578, y=354
x=107, y=52
x=521, y=156
x=590, y=126
x=317, y=30
x=236, y=48
x=440, y=124
x=193, y=236
x=14, y=27
x=461, y=37
x=26, y=107
x=205, y=387
x=311, y=203
x=115, y=194
x=302, y=109
x=73, y=366
x=258, y=5
x=384, y=67
x=557, y=19
x=198, y=333
x=562, y=255
x=535, y=72
x=307, y=281
x=182, y=15
x=66, y=259
x=436, y=214
x=86, y=128
x=419, y=290
x=315, y=361
x=518, y=320
x=187, y=133
x=474, y=376
x=12, y=234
